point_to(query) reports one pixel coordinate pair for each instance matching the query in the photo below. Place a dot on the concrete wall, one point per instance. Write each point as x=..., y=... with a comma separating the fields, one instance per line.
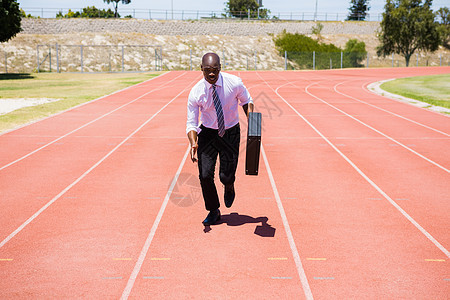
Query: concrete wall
x=190, y=28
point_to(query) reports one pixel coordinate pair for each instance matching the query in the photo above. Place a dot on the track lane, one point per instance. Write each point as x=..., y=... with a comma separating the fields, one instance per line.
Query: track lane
x=91, y=218
x=409, y=118
x=395, y=165
x=75, y=157
x=71, y=120
x=240, y=253
x=349, y=204
x=390, y=128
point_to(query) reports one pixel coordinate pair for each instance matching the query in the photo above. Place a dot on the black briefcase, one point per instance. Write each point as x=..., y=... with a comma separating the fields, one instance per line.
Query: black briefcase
x=253, y=144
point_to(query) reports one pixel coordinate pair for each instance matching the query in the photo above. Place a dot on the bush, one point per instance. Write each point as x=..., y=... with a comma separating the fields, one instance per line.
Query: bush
x=299, y=50
x=88, y=12
x=355, y=53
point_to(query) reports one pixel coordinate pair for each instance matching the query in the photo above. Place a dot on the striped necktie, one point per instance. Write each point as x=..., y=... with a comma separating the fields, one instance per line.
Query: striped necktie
x=219, y=112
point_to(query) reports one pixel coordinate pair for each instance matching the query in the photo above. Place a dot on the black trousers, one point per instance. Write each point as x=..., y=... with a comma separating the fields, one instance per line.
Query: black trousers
x=210, y=144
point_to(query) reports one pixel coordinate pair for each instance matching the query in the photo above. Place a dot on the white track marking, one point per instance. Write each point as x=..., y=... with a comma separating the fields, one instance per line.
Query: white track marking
x=385, y=110
x=81, y=127
x=148, y=241
x=398, y=100
x=137, y=268
x=373, y=184
x=7, y=239
x=287, y=228
x=376, y=130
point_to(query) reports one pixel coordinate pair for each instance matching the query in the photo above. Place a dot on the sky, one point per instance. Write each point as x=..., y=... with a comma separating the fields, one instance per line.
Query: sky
x=324, y=6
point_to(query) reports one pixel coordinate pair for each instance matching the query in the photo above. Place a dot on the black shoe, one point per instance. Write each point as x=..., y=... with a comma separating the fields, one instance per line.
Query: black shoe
x=229, y=195
x=212, y=217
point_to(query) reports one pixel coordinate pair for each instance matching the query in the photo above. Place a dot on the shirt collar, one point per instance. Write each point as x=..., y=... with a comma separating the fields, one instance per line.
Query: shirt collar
x=219, y=81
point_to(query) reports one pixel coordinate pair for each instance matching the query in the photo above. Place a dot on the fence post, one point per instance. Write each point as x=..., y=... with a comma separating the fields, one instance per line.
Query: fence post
x=156, y=59
x=255, y=60
x=57, y=59
x=50, y=56
x=149, y=14
x=331, y=64
x=247, y=61
x=223, y=59
x=440, y=60
x=37, y=55
x=367, y=60
x=314, y=60
x=81, y=58
x=342, y=56
x=285, y=60
x=123, y=60
x=248, y=14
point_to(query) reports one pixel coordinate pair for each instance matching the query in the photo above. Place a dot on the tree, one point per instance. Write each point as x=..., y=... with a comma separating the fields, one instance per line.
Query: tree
x=116, y=4
x=407, y=26
x=10, y=17
x=240, y=8
x=358, y=10
x=444, y=27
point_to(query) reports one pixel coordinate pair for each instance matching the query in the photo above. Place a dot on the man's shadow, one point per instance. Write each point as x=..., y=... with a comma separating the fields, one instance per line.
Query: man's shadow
x=235, y=219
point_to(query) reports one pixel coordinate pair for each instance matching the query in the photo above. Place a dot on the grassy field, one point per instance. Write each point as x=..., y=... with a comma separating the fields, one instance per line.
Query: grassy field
x=72, y=89
x=434, y=89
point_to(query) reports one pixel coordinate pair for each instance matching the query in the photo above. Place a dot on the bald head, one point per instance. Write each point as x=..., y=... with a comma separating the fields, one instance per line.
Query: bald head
x=210, y=59
x=211, y=67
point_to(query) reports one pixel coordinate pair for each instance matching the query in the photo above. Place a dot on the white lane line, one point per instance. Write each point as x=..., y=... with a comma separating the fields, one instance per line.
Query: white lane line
x=87, y=124
x=404, y=213
x=376, y=130
x=8, y=238
x=82, y=104
x=385, y=110
x=144, y=251
x=287, y=228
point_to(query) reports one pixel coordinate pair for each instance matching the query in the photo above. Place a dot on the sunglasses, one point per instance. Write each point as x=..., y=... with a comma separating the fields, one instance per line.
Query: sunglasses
x=211, y=70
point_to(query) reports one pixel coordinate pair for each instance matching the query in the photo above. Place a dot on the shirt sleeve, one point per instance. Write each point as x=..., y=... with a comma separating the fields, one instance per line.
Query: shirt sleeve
x=192, y=113
x=243, y=95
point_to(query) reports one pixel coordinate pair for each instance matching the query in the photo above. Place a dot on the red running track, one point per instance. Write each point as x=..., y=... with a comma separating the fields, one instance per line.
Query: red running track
x=351, y=202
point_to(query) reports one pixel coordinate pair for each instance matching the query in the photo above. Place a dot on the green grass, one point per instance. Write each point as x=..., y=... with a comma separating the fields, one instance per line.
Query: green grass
x=434, y=89
x=72, y=89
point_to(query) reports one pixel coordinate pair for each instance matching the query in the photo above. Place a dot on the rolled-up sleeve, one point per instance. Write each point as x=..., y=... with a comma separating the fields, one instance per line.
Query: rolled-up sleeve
x=192, y=113
x=243, y=95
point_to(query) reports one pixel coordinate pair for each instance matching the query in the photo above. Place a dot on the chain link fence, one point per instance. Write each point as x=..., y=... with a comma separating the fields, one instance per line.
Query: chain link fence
x=144, y=58
x=258, y=60
x=98, y=58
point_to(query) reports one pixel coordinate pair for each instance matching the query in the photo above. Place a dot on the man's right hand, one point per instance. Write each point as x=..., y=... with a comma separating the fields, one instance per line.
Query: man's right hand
x=194, y=152
x=192, y=136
